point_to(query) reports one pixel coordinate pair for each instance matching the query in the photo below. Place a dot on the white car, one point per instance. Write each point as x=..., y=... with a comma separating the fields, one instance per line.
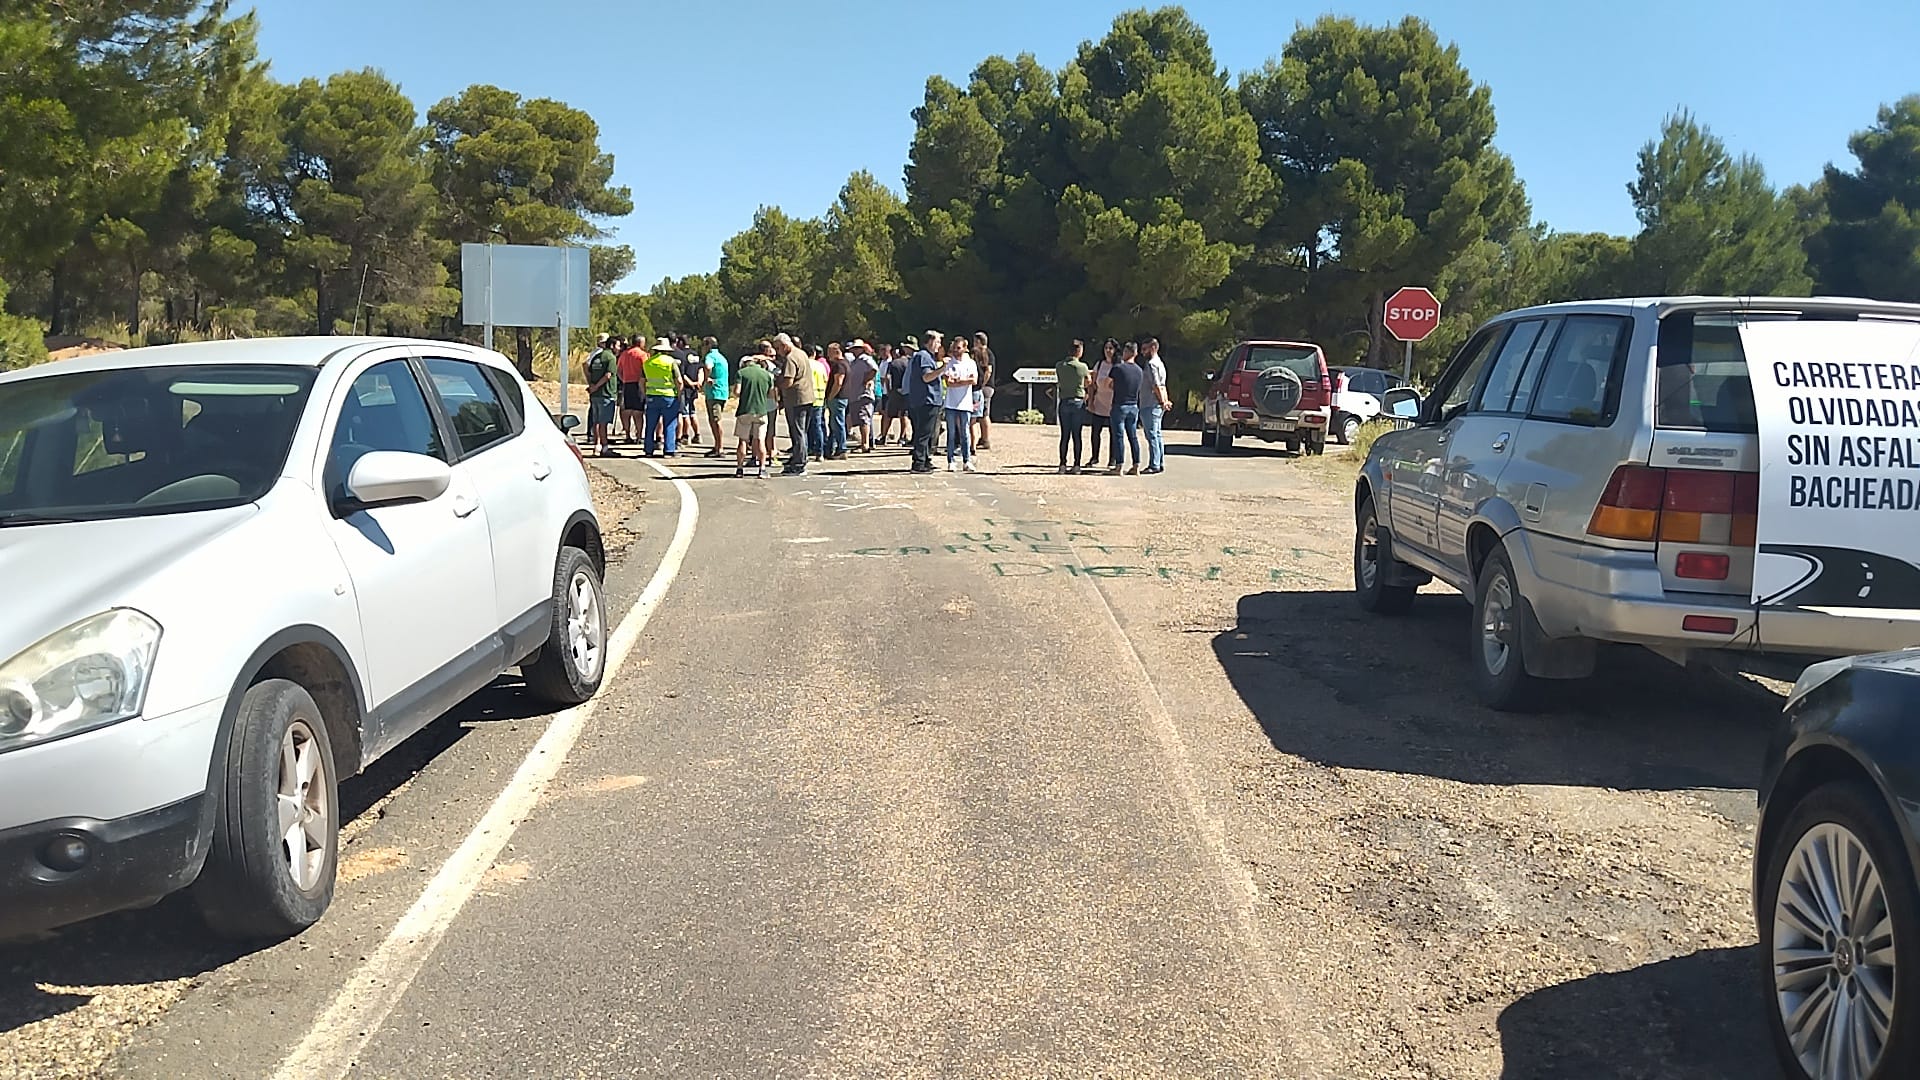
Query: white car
x=1356, y=398
x=237, y=572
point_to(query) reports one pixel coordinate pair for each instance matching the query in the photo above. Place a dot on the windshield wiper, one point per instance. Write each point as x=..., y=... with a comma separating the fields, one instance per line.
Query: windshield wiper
x=22, y=517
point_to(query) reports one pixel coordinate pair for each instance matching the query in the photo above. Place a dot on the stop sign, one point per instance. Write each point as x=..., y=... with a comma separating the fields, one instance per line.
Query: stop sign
x=1412, y=313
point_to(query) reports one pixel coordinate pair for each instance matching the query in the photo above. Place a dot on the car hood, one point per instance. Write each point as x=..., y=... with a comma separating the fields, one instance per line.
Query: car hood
x=58, y=574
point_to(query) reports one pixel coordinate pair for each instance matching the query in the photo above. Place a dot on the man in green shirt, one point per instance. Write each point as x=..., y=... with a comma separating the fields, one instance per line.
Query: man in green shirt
x=1070, y=390
x=753, y=387
x=600, y=398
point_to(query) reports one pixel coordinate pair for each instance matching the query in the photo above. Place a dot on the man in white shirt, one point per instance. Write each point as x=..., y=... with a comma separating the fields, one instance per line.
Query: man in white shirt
x=862, y=370
x=1154, y=403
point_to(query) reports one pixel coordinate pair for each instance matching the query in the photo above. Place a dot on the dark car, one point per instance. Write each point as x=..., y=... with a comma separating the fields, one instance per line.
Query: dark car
x=1835, y=893
x=1276, y=391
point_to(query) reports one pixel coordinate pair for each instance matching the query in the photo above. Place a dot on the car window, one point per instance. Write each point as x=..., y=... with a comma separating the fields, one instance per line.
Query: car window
x=1302, y=360
x=1702, y=375
x=1579, y=384
x=384, y=410
x=147, y=440
x=510, y=394
x=1508, y=365
x=479, y=417
x=1456, y=388
x=1364, y=381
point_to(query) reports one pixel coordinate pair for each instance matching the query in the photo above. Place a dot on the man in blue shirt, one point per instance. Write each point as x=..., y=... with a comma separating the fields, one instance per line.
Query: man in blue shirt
x=923, y=398
x=716, y=390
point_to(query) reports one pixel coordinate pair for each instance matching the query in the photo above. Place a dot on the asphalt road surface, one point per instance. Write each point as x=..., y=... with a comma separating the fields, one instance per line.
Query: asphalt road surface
x=1008, y=774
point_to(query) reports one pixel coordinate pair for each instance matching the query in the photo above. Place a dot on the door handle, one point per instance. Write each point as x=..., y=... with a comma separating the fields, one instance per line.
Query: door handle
x=1500, y=443
x=464, y=505
x=541, y=470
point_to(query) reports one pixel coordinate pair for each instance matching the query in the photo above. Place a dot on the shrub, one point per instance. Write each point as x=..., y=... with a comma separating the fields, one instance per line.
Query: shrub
x=1030, y=416
x=1363, y=439
x=23, y=341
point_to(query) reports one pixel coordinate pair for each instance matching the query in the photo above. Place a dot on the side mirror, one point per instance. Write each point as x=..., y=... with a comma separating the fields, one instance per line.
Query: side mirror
x=1401, y=403
x=569, y=422
x=385, y=477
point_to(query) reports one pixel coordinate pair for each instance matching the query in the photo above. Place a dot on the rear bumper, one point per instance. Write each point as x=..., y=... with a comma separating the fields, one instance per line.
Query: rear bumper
x=1578, y=590
x=131, y=861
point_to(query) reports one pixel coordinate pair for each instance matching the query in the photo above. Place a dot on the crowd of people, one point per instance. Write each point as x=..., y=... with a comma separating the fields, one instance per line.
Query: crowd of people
x=848, y=397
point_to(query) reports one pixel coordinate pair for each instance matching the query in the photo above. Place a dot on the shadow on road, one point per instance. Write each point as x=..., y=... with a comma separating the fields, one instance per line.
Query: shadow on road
x=1333, y=684
x=167, y=941
x=1692, y=1016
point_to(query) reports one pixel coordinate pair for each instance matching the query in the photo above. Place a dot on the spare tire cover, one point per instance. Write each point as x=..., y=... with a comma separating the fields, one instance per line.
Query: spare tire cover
x=1276, y=392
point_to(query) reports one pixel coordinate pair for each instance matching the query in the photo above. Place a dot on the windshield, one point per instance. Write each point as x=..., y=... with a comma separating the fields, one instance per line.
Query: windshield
x=1302, y=360
x=150, y=440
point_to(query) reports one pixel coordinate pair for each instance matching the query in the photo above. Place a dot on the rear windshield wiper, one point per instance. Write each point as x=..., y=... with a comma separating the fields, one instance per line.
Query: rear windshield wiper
x=22, y=517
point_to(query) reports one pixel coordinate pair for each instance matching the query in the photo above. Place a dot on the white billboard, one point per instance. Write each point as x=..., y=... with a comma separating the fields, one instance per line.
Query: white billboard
x=523, y=285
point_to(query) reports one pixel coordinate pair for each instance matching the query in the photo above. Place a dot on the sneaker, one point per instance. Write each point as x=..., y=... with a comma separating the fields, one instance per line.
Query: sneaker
x=1135, y=471
x=715, y=452
x=1063, y=470
x=739, y=470
x=1115, y=471
x=951, y=467
x=763, y=472
x=969, y=467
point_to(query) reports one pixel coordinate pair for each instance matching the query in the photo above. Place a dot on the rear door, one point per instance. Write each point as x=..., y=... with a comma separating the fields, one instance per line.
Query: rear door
x=1707, y=437
x=1574, y=435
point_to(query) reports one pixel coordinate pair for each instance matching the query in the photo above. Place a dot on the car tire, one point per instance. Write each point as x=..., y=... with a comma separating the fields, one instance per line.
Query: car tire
x=1372, y=555
x=1499, y=662
x=1837, y=817
x=1349, y=429
x=1207, y=435
x=1292, y=445
x=279, y=779
x=569, y=667
x=1317, y=445
x=1223, y=440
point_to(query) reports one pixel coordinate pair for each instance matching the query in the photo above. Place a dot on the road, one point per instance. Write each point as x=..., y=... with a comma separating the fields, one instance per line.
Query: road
x=1010, y=774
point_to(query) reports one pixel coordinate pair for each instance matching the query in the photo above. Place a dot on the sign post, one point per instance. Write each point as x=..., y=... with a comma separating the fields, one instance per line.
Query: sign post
x=1032, y=376
x=1411, y=315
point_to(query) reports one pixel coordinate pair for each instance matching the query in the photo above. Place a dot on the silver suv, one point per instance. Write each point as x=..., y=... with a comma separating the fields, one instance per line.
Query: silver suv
x=1589, y=472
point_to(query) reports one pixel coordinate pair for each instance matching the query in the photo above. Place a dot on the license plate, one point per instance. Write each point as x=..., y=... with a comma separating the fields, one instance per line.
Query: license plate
x=1276, y=425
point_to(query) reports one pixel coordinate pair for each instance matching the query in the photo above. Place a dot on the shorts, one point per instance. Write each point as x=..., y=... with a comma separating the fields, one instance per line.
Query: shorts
x=750, y=427
x=631, y=397
x=600, y=411
x=860, y=412
x=714, y=408
x=979, y=402
x=687, y=405
x=895, y=405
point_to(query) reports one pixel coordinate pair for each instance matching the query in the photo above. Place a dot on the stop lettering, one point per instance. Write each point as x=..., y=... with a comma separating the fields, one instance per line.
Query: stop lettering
x=1412, y=313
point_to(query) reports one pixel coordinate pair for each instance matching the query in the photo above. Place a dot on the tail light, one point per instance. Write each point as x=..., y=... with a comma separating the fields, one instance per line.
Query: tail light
x=1237, y=386
x=1326, y=383
x=1680, y=506
x=577, y=455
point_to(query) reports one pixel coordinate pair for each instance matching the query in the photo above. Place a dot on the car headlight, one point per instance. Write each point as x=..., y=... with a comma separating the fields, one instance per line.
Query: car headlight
x=90, y=674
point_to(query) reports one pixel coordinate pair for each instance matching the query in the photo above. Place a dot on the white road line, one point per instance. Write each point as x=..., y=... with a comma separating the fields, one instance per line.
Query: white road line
x=336, y=1039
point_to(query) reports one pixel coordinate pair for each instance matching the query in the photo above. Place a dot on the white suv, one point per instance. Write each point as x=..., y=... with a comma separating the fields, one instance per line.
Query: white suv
x=237, y=572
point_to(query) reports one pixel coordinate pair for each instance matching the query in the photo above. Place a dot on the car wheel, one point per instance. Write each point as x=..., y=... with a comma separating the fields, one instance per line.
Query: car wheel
x=570, y=665
x=1207, y=435
x=1837, y=912
x=1499, y=667
x=1372, y=557
x=1292, y=445
x=1223, y=440
x=1317, y=445
x=276, y=834
x=1349, y=429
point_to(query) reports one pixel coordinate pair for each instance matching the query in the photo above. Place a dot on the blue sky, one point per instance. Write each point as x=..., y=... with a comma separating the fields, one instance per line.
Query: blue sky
x=703, y=141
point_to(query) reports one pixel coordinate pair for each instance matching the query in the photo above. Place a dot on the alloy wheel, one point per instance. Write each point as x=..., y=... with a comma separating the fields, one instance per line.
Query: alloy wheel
x=1496, y=625
x=1367, y=558
x=305, y=819
x=1833, y=955
x=584, y=636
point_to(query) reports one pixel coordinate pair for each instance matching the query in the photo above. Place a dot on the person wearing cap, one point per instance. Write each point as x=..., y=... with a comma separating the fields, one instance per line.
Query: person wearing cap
x=924, y=399
x=750, y=419
x=862, y=369
x=662, y=377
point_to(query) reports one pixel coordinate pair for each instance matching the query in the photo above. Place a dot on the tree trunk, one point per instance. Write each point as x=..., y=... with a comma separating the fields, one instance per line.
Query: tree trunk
x=523, y=351
x=320, y=319
x=57, y=318
x=133, y=305
x=1376, y=327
